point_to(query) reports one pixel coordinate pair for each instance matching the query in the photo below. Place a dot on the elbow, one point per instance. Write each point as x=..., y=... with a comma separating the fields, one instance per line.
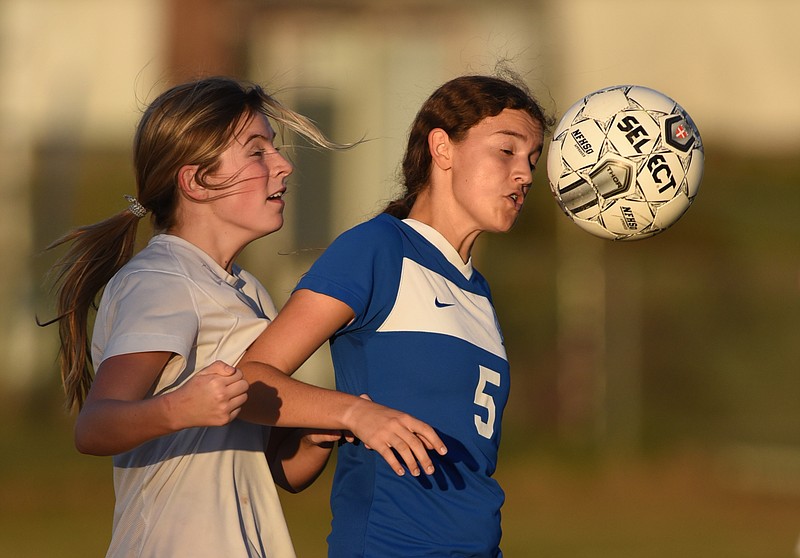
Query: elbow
x=87, y=444
x=83, y=445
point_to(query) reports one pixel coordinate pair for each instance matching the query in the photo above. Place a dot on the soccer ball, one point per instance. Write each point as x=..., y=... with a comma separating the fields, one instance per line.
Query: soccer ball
x=625, y=162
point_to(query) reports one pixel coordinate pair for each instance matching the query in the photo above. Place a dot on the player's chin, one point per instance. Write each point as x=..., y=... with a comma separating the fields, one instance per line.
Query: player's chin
x=505, y=225
x=273, y=225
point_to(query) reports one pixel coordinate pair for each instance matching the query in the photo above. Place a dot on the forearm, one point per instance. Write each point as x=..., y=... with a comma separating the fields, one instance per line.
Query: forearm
x=118, y=415
x=110, y=427
x=276, y=399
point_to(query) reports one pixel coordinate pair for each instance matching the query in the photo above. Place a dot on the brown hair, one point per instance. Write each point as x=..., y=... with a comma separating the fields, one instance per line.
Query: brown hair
x=455, y=107
x=191, y=123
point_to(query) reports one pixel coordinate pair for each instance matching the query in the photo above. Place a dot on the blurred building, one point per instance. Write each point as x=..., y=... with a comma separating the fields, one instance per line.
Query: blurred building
x=75, y=75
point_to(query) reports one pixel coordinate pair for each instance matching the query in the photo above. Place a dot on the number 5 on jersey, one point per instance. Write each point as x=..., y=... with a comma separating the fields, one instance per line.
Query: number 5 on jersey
x=483, y=399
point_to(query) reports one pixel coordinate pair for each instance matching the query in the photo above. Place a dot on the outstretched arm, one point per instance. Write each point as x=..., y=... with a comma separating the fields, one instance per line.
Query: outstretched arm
x=117, y=417
x=308, y=320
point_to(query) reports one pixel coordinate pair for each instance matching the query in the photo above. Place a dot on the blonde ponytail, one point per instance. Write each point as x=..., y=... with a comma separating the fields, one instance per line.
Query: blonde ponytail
x=96, y=252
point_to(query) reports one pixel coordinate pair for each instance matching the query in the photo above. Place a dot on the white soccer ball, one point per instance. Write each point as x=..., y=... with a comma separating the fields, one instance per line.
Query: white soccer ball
x=625, y=162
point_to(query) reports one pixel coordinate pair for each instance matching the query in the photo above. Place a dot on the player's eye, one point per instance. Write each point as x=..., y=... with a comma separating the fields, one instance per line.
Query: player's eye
x=263, y=152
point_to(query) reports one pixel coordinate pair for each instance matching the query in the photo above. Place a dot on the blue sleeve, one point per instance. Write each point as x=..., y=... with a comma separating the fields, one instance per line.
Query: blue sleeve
x=358, y=263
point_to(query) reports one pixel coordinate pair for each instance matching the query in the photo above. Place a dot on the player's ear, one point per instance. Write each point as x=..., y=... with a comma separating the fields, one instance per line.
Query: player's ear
x=440, y=146
x=188, y=184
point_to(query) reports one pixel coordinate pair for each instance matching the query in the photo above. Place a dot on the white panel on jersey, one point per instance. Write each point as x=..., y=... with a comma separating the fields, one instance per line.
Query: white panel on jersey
x=428, y=302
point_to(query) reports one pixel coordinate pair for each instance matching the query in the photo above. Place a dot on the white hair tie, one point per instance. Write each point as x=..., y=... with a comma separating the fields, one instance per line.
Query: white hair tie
x=135, y=207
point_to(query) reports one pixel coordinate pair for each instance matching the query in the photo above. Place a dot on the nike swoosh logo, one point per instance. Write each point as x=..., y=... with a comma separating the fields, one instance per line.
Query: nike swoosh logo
x=442, y=304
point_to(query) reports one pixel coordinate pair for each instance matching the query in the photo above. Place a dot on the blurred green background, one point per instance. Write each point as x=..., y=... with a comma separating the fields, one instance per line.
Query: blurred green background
x=654, y=409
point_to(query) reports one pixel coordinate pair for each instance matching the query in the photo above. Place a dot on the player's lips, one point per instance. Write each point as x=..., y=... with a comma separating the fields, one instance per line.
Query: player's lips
x=517, y=199
x=277, y=196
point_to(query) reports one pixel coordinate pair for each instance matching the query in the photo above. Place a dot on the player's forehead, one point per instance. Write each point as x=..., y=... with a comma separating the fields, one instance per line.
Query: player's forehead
x=252, y=127
x=512, y=124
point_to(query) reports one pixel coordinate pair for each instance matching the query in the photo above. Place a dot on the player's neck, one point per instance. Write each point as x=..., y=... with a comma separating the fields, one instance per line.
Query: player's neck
x=461, y=236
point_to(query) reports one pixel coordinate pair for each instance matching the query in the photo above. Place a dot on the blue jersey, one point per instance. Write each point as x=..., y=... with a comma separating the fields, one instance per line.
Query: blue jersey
x=425, y=340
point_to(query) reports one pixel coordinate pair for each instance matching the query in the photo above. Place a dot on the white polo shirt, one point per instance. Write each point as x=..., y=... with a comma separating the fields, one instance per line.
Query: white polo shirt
x=200, y=492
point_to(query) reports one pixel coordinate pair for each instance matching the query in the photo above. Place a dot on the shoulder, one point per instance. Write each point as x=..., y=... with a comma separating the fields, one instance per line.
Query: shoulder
x=359, y=259
x=369, y=244
x=380, y=227
x=158, y=257
x=157, y=273
x=380, y=235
